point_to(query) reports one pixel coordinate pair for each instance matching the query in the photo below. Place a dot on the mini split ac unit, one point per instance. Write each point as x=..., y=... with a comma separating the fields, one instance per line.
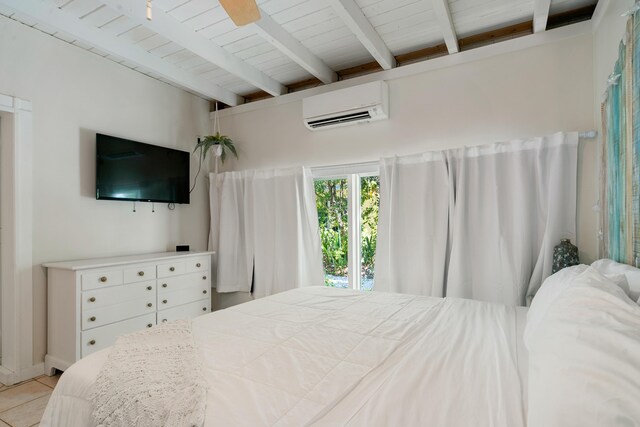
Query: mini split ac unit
x=357, y=104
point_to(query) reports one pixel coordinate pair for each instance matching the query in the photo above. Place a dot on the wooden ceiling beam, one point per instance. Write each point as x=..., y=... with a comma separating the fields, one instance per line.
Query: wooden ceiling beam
x=47, y=13
x=304, y=84
x=465, y=43
x=172, y=29
x=422, y=54
x=494, y=36
x=354, y=19
x=358, y=70
x=441, y=7
x=540, y=15
x=571, y=17
x=282, y=40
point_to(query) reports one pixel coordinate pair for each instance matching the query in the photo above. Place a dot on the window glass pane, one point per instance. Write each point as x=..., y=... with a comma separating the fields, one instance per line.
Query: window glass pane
x=369, y=204
x=332, y=204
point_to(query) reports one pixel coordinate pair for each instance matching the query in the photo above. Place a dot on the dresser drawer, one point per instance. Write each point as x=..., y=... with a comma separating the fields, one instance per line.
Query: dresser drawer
x=171, y=284
x=98, y=298
x=186, y=311
x=99, y=338
x=101, y=279
x=114, y=313
x=139, y=273
x=171, y=269
x=197, y=264
x=182, y=296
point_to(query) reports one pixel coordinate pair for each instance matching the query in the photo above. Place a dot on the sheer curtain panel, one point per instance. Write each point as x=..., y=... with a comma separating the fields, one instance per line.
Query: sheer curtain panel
x=265, y=227
x=413, y=224
x=232, y=230
x=476, y=222
x=288, y=252
x=512, y=204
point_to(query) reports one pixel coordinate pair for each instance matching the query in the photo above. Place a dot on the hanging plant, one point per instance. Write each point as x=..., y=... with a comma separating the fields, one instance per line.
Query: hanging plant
x=221, y=142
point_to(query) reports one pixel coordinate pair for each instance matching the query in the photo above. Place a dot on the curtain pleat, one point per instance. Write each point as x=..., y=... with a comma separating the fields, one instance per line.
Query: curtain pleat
x=412, y=225
x=514, y=202
x=267, y=230
x=232, y=231
x=479, y=223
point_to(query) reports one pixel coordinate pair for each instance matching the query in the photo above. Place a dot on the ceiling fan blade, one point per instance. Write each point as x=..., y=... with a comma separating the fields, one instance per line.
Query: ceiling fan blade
x=241, y=12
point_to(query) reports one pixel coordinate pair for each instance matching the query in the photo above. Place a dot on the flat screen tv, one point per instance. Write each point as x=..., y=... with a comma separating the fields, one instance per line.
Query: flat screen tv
x=134, y=171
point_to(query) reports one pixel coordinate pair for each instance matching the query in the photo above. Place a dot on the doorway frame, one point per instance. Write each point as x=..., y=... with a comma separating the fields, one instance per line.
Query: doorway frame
x=16, y=256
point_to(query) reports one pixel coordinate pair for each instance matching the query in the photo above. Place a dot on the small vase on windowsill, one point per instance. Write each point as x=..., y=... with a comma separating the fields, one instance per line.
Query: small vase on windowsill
x=564, y=255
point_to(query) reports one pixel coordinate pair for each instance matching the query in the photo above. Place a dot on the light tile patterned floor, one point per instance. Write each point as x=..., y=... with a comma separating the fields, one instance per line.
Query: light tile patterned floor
x=22, y=404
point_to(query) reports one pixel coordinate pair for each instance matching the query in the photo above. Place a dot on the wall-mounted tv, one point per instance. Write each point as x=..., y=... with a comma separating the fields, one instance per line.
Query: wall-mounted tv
x=134, y=171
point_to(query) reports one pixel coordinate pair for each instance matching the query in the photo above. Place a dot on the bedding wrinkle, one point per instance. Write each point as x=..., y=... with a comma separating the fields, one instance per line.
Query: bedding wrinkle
x=489, y=395
x=355, y=384
x=335, y=357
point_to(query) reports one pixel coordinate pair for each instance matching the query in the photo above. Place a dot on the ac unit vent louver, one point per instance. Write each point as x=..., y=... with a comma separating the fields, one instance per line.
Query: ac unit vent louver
x=340, y=119
x=356, y=104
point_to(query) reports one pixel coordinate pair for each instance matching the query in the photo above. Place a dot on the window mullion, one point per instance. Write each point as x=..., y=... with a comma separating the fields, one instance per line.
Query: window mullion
x=354, y=189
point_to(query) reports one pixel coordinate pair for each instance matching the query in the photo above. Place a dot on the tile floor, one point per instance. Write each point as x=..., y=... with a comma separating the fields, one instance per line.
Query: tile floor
x=22, y=404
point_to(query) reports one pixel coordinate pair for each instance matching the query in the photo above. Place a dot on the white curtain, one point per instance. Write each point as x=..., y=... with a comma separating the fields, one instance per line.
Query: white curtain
x=513, y=203
x=288, y=252
x=232, y=231
x=413, y=224
x=266, y=229
x=480, y=223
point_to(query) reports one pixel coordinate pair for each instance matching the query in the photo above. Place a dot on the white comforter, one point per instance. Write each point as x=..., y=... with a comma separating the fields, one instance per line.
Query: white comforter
x=340, y=357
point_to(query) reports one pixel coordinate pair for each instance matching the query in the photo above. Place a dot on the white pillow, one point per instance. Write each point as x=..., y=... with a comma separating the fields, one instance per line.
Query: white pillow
x=550, y=290
x=626, y=276
x=607, y=267
x=583, y=358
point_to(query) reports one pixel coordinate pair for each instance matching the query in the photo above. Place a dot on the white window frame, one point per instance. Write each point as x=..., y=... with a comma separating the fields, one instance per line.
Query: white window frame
x=353, y=173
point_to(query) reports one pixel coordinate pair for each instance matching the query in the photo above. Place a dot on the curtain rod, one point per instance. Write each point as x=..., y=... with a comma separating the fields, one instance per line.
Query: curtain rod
x=342, y=165
x=590, y=134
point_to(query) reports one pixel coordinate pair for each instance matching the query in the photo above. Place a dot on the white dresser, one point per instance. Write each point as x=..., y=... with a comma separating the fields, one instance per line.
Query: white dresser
x=91, y=302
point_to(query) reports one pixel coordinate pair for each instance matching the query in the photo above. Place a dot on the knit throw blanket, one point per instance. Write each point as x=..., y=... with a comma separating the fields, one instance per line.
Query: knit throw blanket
x=151, y=378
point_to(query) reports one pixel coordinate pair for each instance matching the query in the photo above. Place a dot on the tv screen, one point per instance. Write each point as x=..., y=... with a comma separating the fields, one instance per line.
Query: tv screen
x=129, y=170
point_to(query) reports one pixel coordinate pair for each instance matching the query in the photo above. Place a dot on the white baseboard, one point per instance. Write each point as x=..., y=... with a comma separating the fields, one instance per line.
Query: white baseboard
x=50, y=362
x=8, y=377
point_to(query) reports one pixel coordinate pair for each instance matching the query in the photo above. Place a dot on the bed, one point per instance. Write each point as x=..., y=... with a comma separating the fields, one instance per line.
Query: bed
x=324, y=356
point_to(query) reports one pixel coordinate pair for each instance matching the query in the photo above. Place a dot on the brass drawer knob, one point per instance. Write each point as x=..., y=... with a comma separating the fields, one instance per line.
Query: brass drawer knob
x=164, y=301
x=92, y=342
x=164, y=285
x=103, y=279
x=204, y=308
x=140, y=273
x=149, y=325
x=172, y=269
x=149, y=288
x=92, y=299
x=198, y=265
x=92, y=319
x=149, y=305
x=204, y=277
x=204, y=291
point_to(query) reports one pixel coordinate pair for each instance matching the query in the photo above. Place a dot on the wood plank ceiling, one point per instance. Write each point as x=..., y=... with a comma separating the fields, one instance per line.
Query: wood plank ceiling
x=194, y=45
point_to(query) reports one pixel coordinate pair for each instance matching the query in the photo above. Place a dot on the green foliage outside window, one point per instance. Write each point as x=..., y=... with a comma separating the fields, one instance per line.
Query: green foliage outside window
x=332, y=205
x=369, y=204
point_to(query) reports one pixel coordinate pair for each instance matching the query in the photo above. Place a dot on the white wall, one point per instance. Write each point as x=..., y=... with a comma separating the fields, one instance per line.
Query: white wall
x=531, y=92
x=609, y=30
x=76, y=93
